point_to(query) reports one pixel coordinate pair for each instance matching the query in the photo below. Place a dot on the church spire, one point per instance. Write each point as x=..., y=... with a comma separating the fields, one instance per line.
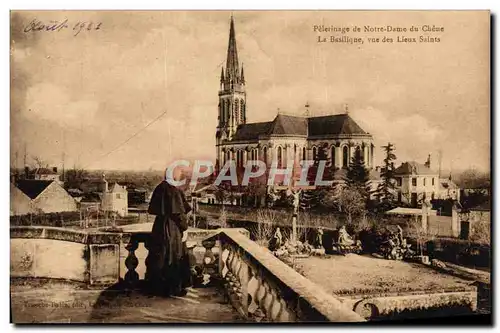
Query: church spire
x=232, y=55
x=242, y=74
x=222, y=75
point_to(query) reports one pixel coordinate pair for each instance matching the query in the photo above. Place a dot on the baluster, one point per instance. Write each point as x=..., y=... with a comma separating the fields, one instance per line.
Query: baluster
x=260, y=293
x=147, y=261
x=268, y=300
x=253, y=286
x=131, y=277
x=275, y=307
x=209, y=261
x=286, y=315
x=244, y=280
x=223, y=262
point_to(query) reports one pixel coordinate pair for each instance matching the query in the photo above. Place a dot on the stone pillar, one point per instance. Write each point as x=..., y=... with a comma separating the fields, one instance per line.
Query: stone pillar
x=371, y=154
x=455, y=222
x=425, y=214
x=338, y=157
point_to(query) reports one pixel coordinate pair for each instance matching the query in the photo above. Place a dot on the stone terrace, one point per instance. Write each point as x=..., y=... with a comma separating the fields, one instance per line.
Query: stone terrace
x=43, y=301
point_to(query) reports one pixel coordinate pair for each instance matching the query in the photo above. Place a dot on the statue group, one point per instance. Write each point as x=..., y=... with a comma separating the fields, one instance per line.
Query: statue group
x=396, y=247
x=346, y=244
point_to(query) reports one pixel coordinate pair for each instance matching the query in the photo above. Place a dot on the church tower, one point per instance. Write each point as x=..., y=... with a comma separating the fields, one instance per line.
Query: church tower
x=232, y=95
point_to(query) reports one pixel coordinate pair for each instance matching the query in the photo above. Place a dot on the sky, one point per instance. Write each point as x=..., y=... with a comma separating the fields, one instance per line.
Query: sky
x=82, y=96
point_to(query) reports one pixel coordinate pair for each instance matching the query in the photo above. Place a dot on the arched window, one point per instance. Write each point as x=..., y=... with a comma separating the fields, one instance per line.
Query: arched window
x=345, y=157
x=280, y=153
x=315, y=153
x=265, y=155
x=333, y=156
x=358, y=153
x=303, y=153
x=228, y=156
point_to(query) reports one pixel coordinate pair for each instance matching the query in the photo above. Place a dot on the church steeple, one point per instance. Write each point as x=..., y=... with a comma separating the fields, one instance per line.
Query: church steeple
x=232, y=94
x=232, y=68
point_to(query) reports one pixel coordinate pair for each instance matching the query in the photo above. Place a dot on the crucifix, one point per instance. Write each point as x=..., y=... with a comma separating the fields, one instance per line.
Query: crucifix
x=295, y=192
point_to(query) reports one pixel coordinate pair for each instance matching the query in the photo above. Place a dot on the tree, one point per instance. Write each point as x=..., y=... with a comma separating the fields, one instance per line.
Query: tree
x=387, y=188
x=351, y=202
x=357, y=177
x=75, y=177
x=314, y=199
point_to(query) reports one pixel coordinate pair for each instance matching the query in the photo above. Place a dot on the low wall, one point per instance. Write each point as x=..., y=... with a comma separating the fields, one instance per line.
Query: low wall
x=377, y=306
x=50, y=252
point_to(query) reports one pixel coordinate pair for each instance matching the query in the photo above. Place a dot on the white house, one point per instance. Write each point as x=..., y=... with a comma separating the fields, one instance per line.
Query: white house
x=115, y=199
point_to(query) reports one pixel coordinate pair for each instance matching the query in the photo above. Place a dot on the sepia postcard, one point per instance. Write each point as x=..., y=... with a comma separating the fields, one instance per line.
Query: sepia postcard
x=250, y=167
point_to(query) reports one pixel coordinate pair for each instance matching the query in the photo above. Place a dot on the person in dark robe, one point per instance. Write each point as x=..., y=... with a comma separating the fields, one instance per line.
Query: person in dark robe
x=168, y=271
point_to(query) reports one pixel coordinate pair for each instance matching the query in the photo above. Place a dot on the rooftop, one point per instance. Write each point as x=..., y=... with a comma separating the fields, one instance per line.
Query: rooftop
x=412, y=167
x=33, y=188
x=339, y=124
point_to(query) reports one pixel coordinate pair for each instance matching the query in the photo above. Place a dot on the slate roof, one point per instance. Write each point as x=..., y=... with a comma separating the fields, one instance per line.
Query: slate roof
x=408, y=168
x=251, y=131
x=333, y=125
x=339, y=124
x=288, y=125
x=33, y=188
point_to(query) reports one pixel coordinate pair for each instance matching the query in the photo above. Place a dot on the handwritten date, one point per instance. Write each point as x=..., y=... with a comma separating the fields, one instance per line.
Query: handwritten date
x=36, y=25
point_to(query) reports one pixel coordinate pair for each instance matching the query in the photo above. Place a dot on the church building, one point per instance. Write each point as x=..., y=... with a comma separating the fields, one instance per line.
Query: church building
x=284, y=138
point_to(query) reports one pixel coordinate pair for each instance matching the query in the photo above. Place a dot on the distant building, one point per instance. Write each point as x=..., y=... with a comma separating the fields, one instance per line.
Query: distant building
x=20, y=203
x=448, y=189
x=98, y=195
x=115, y=199
x=470, y=217
x=46, y=174
x=47, y=196
x=415, y=183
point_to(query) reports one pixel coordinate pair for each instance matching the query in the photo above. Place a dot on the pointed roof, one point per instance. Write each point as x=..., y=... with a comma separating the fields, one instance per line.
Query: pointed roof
x=115, y=187
x=33, y=188
x=232, y=67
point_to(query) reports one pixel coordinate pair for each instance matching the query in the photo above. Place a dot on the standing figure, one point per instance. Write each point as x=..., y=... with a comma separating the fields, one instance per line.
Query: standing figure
x=277, y=241
x=167, y=273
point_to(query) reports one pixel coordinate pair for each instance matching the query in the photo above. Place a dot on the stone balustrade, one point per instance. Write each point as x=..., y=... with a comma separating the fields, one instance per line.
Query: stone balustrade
x=258, y=284
x=263, y=288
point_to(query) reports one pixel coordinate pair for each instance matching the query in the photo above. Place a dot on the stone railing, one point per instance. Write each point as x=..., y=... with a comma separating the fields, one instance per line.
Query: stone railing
x=59, y=253
x=263, y=288
x=134, y=249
